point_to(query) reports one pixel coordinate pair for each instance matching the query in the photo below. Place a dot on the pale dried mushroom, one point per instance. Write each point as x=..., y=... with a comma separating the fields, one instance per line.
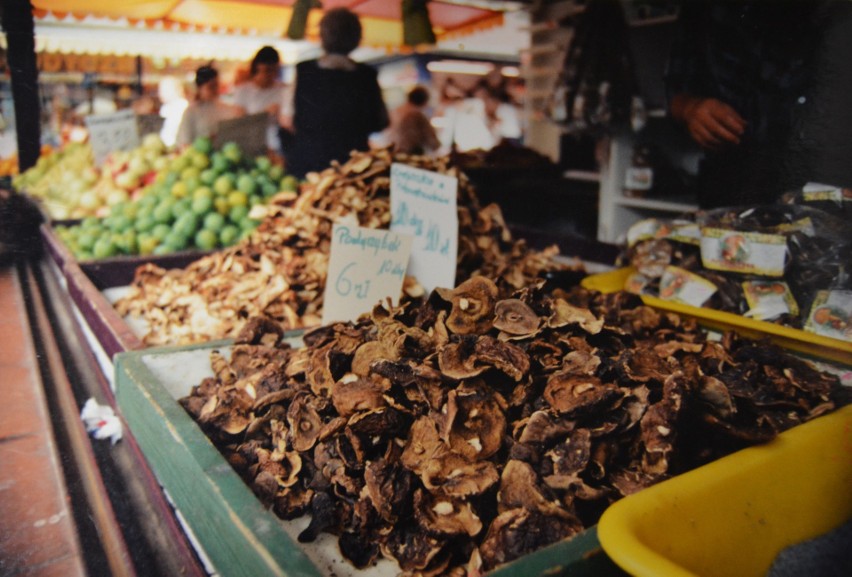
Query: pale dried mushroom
x=279, y=272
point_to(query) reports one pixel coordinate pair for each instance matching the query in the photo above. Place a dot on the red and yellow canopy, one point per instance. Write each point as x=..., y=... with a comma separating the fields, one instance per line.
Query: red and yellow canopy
x=381, y=19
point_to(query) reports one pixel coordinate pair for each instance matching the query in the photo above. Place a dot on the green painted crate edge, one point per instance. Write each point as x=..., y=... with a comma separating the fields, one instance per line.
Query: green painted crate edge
x=213, y=506
x=238, y=535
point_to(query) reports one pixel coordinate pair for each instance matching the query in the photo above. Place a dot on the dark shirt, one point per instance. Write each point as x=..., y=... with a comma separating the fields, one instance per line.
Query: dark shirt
x=335, y=111
x=764, y=59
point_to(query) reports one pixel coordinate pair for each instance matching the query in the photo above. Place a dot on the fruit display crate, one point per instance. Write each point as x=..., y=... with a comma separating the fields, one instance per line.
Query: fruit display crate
x=87, y=281
x=234, y=533
x=813, y=345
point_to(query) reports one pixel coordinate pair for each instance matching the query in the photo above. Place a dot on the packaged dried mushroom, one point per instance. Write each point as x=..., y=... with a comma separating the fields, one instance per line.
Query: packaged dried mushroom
x=280, y=270
x=471, y=428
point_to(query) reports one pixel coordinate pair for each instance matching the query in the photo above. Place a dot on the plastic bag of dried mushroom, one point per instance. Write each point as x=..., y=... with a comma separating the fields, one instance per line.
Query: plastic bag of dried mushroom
x=280, y=270
x=480, y=424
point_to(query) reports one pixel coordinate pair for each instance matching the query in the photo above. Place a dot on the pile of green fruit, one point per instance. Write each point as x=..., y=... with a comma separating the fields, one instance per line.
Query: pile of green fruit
x=200, y=201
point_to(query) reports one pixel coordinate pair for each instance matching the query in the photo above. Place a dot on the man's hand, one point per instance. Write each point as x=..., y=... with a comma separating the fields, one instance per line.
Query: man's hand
x=710, y=122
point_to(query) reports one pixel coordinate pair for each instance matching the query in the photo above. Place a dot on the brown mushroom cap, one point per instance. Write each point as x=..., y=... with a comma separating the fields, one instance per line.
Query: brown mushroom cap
x=468, y=358
x=475, y=423
x=352, y=394
x=517, y=532
x=569, y=394
x=304, y=422
x=515, y=317
x=443, y=516
x=473, y=305
x=566, y=314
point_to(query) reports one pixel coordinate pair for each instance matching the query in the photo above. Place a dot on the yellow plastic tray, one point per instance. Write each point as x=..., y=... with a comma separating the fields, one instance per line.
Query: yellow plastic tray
x=733, y=516
x=790, y=338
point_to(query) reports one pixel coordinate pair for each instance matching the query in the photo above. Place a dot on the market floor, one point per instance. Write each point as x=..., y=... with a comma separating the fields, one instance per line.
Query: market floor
x=37, y=532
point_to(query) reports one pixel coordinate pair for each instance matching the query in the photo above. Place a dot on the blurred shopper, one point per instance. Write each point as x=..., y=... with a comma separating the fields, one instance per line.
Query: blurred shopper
x=338, y=102
x=203, y=116
x=763, y=88
x=264, y=92
x=173, y=103
x=411, y=131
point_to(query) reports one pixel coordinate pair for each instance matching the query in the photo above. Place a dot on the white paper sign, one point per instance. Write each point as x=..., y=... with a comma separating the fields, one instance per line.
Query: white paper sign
x=366, y=266
x=110, y=132
x=423, y=204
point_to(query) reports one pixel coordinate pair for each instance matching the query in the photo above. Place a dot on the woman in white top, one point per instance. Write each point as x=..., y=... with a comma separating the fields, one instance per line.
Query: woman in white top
x=265, y=93
x=203, y=116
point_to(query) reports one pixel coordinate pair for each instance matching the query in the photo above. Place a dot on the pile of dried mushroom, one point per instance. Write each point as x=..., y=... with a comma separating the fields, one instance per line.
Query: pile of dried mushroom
x=476, y=426
x=280, y=271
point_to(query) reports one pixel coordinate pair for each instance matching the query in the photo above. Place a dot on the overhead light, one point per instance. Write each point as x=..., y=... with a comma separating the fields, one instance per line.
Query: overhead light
x=460, y=67
x=510, y=71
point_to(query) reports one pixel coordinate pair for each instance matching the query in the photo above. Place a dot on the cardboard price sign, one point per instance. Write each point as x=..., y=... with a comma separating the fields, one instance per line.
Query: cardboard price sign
x=110, y=132
x=366, y=266
x=423, y=204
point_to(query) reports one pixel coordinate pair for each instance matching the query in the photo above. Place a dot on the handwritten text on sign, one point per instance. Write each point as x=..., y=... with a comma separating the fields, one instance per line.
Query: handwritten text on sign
x=423, y=204
x=366, y=266
x=110, y=132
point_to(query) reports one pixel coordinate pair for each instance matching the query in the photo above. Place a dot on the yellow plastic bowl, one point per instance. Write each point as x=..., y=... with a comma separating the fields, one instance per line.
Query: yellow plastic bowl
x=733, y=516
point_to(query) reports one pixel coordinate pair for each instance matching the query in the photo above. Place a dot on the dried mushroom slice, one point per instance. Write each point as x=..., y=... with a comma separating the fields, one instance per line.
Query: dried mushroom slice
x=438, y=515
x=305, y=423
x=569, y=459
x=576, y=394
x=471, y=356
x=565, y=314
x=353, y=394
x=388, y=486
x=520, y=531
x=519, y=489
x=474, y=422
x=515, y=317
x=543, y=427
x=260, y=331
x=473, y=305
x=413, y=550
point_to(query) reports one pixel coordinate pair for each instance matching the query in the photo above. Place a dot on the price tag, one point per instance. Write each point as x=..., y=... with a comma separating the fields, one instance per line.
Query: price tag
x=366, y=266
x=109, y=132
x=423, y=204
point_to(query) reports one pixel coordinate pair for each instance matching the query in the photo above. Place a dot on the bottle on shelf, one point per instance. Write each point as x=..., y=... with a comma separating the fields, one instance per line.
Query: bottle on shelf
x=639, y=177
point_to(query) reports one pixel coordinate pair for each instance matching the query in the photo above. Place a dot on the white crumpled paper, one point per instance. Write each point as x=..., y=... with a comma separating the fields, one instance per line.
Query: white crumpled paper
x=101, y=421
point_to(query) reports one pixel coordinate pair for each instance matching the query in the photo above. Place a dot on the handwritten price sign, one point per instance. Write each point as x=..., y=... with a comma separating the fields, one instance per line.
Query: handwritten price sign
x=423, y=204
x=366, y=266
x=110, y=132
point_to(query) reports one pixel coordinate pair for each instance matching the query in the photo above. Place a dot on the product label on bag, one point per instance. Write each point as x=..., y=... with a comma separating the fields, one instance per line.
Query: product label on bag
x=768, y=299
x=831, y=315
x=647, y=229
x=365, y=267
x=803, y=225
x=814, y=191
x=636, y=283
x=685, y=232
x=423, y=205
x=743, y=252
x=680, y=285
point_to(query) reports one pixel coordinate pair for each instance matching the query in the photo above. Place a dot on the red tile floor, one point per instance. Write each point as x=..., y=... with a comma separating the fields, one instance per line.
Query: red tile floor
x=37, y=532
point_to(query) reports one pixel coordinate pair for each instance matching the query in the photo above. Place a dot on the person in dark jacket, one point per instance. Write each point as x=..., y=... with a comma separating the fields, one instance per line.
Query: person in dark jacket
x=337, y=102
x=761, y=88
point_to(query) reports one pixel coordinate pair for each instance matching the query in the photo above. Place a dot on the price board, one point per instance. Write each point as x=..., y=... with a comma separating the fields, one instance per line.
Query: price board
x=111, y=132
x=423, y=204
x=366, y=266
